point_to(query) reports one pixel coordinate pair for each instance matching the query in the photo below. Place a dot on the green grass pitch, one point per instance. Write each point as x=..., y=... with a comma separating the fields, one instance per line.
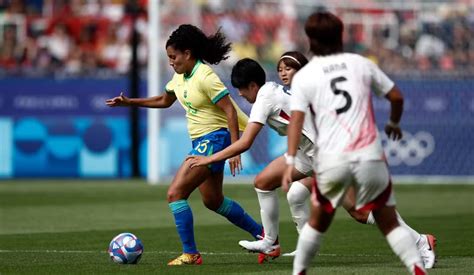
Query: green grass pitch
x=64, y=227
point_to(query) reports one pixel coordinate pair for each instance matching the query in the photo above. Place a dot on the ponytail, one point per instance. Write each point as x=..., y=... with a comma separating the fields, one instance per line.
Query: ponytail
x=212, y=49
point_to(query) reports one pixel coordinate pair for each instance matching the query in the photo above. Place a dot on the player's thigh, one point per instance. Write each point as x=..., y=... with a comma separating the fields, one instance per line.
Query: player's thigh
x=271, y=175
x=308, y=182
x=331, y=186
x=186, y=181
x=349, y=204
x=372, y=181
x=211, y=191
x=349, y=199
x=320, y=219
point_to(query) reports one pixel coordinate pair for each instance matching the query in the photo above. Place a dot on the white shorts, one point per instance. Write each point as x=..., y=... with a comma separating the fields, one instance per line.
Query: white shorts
x=303, y=163
x=371, y=181
x=304, y=157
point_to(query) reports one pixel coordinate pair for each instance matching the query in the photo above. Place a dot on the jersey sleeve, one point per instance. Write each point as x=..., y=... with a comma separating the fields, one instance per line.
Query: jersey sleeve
x=299, y=100
x=213, y=87
x=381, y=84
x=170, y=86
x=261, y=108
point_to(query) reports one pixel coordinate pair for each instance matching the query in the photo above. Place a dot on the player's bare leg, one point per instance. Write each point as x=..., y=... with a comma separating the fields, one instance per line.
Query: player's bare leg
x=398, y=238
x=424, y=242
x=214, y=199
x=184, y=183
x=265, y=185
x=211, y=191
x=349, y=204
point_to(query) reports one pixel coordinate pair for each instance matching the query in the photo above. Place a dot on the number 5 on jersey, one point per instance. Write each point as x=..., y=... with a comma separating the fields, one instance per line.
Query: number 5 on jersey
x=345, y=94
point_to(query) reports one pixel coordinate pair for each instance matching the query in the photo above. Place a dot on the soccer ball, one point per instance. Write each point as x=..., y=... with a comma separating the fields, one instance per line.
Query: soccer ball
x=125, y=248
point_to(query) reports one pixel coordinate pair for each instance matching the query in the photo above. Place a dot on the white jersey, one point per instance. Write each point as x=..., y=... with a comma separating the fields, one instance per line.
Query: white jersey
x=337, y=88
x=272, y=107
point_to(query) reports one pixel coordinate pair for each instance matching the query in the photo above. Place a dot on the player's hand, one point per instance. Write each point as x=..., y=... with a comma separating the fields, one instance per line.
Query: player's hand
x=393, y=132
x=195, y=161
x=287, y=178
x=235, y=164
x=120, y=100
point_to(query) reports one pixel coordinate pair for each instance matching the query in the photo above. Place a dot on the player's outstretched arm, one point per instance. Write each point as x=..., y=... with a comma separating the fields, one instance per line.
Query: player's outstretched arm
x=294, y=134
x=233, y=125
x=117, y=101
x=162, y=101
x=236, y=148
x=392, y=128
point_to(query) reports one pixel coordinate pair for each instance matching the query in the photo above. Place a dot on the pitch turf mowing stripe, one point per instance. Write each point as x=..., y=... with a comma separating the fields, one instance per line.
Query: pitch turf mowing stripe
x=60, y=227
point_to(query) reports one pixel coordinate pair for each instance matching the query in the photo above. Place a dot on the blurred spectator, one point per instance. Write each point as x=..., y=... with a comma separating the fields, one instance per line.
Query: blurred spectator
x=15, y=7
x=59, y=44
x=429, y=45
x=354, y=39
x=11, y=52
x=245, y=48
x=73, y=65
x=78, y=37
x=446, y=62
x=234, y=28
x=109, y=47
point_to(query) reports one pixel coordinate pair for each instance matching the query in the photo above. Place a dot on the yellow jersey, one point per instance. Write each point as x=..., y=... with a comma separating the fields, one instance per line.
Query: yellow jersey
x=198, y=93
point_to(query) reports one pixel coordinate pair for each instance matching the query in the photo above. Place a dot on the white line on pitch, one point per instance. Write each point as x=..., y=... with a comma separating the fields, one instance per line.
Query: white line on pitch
x=170, y=252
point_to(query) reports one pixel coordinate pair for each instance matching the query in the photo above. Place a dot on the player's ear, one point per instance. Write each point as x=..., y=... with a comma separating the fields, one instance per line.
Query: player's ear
x=253, y=86
x=187, y=54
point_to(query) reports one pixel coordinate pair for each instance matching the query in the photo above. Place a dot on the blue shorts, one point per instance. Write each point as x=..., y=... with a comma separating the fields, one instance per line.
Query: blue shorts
x=210, y=144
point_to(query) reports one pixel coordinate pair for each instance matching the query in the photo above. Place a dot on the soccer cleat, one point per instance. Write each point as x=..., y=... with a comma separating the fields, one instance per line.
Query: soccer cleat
x=266, y=251
x=187, y=259
x=261, y=258
x=418, y=271
x=290, y=254
x=426, y=246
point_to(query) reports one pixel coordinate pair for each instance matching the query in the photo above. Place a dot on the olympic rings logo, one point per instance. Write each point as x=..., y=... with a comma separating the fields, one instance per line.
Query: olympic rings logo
x=411, y=150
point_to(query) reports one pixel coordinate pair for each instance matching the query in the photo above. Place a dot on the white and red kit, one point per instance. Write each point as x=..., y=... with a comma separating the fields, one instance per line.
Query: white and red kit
x=272, y=107
x=338, y=90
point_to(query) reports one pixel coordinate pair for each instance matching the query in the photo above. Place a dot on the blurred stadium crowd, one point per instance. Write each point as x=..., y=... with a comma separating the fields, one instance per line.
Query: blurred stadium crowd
x=92, y=37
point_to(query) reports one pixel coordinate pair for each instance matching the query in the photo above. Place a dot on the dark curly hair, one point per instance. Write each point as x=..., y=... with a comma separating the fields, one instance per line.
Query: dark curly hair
x=213, y=48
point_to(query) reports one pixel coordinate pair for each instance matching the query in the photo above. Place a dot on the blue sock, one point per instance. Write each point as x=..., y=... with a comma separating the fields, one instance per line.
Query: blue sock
x=183, y=218
x=235, y=214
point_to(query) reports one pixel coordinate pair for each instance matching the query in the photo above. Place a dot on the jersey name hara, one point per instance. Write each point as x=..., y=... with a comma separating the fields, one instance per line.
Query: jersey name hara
x=334, y=67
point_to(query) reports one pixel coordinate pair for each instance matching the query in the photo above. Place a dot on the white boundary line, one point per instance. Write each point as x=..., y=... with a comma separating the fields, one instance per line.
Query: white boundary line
x=420, y=179
x=173, y=252
x=397, y=179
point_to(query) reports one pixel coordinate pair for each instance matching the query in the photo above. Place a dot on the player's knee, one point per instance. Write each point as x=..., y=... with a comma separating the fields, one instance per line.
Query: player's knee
x=261, y=182
x=293, y=197
x=359, y=216
x=174, y=195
